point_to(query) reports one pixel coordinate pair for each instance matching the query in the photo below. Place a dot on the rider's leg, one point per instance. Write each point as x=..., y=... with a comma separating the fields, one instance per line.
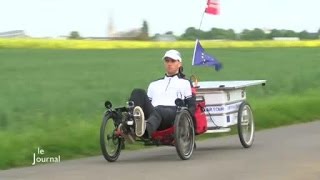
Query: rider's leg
x=168, y=114
x=152, y=123
x=140, y=98
x=162, y=118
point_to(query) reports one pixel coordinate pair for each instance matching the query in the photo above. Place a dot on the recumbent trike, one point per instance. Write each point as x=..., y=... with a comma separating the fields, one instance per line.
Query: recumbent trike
x=219, y=105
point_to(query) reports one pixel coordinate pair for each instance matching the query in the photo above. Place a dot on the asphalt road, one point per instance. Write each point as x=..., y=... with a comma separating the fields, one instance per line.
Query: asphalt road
x=291, y=153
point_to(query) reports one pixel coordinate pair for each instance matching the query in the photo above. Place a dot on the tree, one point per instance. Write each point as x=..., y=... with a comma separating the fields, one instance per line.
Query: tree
x=74, y=35
x=144, y=34
x=304, y=35
x=307, y=35
x=290, y=33
x=192, y=33
x=256, y=34
x=230, y=34
x=214, y=33
x=217, y=33
x=274, y=33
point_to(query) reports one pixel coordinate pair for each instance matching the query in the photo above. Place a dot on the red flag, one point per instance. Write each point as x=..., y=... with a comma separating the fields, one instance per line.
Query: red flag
x=213, y=7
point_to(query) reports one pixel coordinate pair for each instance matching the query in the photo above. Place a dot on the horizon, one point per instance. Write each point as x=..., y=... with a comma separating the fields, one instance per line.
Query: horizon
x=151, y=35
x=55, y=18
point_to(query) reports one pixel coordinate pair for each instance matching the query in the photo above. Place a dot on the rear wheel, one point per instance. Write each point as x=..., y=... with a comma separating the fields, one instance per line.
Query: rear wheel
x=245, y=125
x=110, y=143
x=184, y=135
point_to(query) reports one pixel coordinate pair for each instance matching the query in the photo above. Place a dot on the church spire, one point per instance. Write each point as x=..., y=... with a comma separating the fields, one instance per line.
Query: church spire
x=111, y=29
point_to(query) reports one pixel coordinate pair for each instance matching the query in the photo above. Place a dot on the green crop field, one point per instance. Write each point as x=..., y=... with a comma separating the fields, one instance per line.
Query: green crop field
x=54, y=98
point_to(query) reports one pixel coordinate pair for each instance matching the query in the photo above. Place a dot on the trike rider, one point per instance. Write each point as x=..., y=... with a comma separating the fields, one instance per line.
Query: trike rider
x=158, y=103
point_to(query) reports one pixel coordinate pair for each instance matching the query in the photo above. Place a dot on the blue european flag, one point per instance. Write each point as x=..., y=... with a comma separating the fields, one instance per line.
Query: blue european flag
x=201, y=58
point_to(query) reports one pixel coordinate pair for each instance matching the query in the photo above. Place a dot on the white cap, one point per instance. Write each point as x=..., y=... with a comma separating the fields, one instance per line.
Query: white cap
x=173, y=54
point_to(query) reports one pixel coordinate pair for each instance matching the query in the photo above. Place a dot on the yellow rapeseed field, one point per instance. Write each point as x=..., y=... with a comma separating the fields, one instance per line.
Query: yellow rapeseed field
x=108, y=44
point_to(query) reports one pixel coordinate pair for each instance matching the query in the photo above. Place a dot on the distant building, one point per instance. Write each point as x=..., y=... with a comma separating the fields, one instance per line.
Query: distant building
x=266, y=30
x=13, y=34
x=286, y=38
x=164, y=37
x=113, y=34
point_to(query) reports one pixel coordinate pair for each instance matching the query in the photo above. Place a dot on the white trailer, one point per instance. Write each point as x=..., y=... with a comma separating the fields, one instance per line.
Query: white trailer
x=226, y=106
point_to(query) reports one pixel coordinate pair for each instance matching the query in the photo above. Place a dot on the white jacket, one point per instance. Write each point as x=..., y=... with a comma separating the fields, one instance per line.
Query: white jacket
x=166, y=90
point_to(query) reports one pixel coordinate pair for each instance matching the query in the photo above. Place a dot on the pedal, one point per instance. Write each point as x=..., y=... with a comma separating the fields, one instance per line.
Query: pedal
x=125, y=134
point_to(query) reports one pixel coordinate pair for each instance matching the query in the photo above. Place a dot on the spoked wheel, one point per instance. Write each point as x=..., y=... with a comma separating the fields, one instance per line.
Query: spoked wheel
x=184, y=135
x=245, y=125
x=110, y=143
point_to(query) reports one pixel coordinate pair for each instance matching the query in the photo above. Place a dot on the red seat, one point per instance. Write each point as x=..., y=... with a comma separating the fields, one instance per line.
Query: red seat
x=164, y=136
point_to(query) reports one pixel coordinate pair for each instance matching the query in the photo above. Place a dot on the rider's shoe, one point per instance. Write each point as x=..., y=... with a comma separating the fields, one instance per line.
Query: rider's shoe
x=140, y=124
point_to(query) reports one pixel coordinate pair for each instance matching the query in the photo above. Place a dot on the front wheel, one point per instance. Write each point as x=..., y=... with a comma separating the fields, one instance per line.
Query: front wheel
x=184, y=135
x=245, y=125
x=110, y=143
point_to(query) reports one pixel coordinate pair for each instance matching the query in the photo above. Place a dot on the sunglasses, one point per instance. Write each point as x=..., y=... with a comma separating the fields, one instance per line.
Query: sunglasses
x=167, y=60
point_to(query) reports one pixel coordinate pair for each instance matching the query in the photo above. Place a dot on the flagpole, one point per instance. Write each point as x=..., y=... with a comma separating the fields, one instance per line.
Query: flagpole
x=201, y=20
x=197, y=37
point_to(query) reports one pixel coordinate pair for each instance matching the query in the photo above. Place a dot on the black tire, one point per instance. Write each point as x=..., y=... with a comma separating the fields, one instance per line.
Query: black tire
x=110, y=144
x=245, y=125
x=184, y=135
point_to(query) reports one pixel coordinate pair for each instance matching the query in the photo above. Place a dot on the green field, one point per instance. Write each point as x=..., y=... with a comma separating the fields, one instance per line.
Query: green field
x=54, y=98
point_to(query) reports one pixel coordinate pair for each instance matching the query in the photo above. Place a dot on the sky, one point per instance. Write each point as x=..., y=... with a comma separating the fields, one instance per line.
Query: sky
x=53, y=18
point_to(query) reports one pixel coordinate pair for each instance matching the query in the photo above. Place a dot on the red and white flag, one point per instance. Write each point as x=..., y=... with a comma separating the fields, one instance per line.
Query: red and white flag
x=212, y=7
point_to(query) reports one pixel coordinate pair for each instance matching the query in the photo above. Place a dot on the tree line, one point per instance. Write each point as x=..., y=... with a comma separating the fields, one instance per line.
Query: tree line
x=192, y=33
x=256, y=34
